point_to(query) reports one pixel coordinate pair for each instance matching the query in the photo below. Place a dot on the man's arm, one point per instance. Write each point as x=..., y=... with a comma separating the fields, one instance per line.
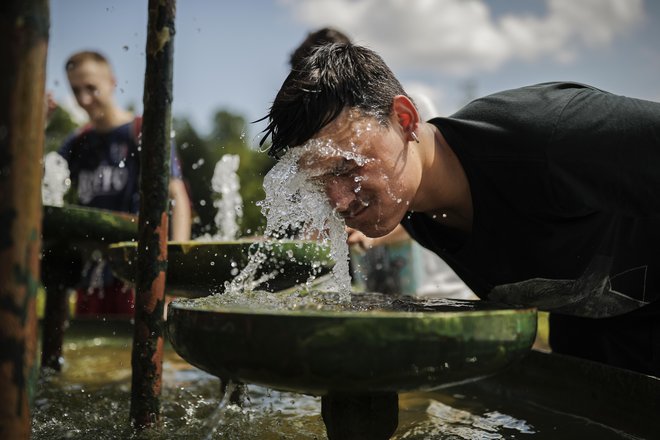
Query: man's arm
x=181, y=217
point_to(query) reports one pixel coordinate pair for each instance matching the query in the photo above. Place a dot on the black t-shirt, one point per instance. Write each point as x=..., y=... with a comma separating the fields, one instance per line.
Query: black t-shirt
x=565, y=185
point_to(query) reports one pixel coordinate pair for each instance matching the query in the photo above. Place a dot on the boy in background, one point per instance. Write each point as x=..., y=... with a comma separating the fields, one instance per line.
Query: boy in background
x=104, y=162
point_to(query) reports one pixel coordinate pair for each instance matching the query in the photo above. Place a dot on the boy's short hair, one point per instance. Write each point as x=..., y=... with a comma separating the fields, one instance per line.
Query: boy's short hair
x=333, y=77
x=326, y=35
x=78, y=58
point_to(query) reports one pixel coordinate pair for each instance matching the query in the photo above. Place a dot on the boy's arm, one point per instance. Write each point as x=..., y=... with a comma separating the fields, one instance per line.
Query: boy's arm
x=181, y=217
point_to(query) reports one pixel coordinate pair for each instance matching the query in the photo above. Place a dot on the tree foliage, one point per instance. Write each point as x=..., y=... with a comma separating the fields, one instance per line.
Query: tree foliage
x=60, y=126
x=199, y=154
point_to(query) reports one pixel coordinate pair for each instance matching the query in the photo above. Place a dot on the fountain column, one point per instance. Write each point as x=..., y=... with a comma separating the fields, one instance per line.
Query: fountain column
x=147, y=355
x=23, y=46
x=366, y=416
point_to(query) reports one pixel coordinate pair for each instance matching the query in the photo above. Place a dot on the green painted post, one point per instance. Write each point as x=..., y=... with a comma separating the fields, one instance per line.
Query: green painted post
x=147, y=356
x=23, y=45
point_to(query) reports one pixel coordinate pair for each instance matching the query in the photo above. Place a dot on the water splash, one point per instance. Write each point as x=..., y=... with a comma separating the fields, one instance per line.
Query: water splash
x=295, y=207
x=229, y=204
x=56, y=181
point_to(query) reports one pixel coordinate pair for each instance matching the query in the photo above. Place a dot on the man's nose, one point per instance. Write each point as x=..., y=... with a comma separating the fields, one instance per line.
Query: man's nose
x=84, y=98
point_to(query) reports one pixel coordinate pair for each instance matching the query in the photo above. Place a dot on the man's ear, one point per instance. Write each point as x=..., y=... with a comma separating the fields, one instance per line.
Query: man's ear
x=406, y=115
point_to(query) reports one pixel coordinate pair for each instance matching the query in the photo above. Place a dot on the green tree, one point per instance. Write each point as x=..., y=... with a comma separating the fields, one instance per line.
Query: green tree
x=59, y=127
x=197, y=164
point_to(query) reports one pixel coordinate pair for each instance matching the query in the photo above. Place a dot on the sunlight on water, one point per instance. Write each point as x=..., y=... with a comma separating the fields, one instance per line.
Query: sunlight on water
x=56, y=181
x=315, y=300
x=443, y=420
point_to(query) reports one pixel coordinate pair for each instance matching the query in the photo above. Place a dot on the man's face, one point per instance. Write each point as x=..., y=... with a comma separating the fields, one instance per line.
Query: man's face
x=92, y=84
x=365, y=170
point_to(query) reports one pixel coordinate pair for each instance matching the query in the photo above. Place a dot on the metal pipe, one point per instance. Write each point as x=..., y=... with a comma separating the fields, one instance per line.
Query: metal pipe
x=23, y=45
x=147, y=355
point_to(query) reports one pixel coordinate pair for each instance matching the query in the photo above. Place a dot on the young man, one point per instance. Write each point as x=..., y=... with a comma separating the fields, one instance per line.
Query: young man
x=103, y=159
x=436, y=279
x=547, y=195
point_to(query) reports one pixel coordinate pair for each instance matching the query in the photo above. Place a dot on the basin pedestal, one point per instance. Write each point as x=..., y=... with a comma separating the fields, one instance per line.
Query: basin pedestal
x=357, y=356
x=369, y=416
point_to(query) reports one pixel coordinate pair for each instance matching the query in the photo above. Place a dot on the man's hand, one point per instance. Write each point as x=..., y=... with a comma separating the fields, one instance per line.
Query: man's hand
x=364, y=243
x=359, y=240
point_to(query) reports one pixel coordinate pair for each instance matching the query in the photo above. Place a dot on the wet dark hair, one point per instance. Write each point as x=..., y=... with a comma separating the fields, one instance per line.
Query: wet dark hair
x=320, y=37
x=333, y=77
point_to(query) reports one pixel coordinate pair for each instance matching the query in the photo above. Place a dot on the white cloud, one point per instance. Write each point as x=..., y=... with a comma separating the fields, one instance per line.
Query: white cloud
x=426, y=98
x=463, y=36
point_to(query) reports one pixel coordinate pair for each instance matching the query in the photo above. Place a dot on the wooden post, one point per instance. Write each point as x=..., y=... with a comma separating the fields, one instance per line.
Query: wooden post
x=147, y=356
x=23, y=45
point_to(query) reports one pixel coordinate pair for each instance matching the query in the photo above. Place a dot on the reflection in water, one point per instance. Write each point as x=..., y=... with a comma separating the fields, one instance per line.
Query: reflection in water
x=90, y=399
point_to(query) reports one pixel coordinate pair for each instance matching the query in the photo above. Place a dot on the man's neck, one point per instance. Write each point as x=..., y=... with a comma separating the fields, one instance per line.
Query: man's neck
x=112, y=118
x=449, y=200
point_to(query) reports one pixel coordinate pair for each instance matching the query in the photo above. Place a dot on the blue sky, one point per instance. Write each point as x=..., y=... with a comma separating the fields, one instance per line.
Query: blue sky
x=233, y=54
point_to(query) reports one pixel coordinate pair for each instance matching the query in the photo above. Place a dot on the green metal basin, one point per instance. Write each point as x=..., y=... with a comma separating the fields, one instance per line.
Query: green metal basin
x=197, y=269
x=77, y=223
x=408, y=345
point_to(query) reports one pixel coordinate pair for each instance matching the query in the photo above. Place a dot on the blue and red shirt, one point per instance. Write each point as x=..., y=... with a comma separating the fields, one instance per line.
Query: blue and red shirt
x=105, y=166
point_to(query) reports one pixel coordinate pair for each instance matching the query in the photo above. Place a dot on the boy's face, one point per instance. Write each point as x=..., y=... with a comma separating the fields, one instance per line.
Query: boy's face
x=93, y=85
x=367, y=171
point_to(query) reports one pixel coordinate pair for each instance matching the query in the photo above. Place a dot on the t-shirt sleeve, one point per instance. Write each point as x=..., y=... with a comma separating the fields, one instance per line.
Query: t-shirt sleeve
x=605, y=152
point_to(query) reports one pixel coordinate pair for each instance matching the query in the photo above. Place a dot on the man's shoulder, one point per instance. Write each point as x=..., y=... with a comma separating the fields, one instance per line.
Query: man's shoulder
x=553, y=88
x=530, y=109
x=128, y=131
